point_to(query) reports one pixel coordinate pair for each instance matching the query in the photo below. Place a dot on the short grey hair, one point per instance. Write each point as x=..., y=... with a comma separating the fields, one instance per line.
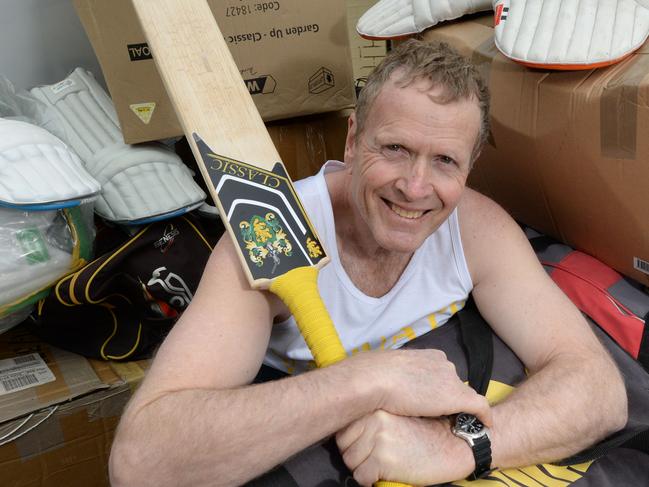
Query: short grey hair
x=438, y=63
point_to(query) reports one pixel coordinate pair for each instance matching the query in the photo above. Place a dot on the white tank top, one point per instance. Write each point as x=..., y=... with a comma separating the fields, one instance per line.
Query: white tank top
x=434, y=286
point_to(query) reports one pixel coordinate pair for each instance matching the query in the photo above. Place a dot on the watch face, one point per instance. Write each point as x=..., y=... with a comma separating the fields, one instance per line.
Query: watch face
x=469, y=424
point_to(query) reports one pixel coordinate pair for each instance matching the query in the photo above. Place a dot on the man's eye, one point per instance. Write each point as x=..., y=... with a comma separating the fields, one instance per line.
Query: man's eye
x=394, y=147
x=446, y=160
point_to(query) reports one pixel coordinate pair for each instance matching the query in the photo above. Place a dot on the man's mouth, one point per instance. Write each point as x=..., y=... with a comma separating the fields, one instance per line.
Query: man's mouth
x=402, y=212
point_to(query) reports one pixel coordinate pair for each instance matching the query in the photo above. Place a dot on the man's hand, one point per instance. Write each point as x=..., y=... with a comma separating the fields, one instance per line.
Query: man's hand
x=419, y=383
x=419, y=451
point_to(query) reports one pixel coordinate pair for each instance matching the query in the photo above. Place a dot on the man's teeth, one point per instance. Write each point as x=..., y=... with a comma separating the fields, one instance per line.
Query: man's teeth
x=402, y=212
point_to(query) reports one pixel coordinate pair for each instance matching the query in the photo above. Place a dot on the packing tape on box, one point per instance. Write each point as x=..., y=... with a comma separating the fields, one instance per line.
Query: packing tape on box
x=619, y=108
x=482, y=58
x=102, y=404
x=130, y=372
x=42, y=425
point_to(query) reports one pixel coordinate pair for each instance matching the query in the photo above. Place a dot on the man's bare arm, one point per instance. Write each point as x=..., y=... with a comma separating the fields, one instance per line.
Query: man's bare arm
x=195, y=421
x=575, y=395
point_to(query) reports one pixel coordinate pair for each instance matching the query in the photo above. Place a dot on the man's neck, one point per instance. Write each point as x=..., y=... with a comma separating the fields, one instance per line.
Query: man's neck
x=373, y=269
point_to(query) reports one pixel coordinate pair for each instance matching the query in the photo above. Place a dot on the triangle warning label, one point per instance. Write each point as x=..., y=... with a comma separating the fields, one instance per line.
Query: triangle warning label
x=144, y=111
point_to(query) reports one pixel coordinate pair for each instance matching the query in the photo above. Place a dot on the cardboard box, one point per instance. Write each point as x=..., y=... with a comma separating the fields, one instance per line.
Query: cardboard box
x=568, y=155
x=58, y=433
x=306, y=143
x=293, y=54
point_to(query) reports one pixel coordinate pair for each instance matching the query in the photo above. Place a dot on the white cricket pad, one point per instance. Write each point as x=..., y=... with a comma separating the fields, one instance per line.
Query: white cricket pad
x=139, y=183
x=390, y=19
x=572, y=34
x=37, y=168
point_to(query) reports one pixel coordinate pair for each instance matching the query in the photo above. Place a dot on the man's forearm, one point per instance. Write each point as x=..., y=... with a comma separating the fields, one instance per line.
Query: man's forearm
x=209, y=437
x=564, y=408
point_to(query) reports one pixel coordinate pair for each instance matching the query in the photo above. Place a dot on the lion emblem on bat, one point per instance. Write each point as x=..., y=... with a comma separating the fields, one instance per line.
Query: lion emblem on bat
x=265, y=238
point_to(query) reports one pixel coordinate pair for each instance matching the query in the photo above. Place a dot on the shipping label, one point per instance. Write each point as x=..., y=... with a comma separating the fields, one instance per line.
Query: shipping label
x=23, y=372
x=641, y=265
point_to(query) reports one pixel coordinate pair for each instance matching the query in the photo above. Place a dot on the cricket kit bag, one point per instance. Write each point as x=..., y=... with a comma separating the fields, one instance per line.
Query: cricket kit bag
x=121, y=305
x=492, y=369
x=618, y=304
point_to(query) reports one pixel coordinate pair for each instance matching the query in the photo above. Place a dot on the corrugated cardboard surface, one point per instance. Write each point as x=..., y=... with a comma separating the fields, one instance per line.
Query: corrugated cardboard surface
x=74, y=375
x=306, y=143
x=568, y=154
x=293, y=54
x=64, y=442
x=366, y=54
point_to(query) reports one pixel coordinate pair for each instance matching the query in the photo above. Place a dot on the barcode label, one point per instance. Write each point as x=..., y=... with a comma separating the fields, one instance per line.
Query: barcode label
x=19, y=382
x=19, y=373
x=641, y=265
x=26, y=359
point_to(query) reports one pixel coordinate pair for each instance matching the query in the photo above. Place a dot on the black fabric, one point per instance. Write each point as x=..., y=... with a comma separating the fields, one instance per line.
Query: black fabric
x=267, y=374
x=278, y=477
x=541, y=243
x=121, y=305
x=643, y=354
x=476, y=339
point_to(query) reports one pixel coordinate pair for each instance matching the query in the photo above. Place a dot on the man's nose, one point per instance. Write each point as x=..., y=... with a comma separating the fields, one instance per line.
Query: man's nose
x=417, y=180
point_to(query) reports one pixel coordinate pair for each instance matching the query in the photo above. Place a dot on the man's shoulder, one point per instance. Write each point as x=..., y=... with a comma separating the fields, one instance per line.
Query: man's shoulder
x=479, y=213
x=489, y=234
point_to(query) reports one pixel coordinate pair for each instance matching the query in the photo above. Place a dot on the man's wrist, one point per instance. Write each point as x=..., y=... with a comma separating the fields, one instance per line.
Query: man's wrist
x=477, y=438
x=369, y=392
x=463, y=454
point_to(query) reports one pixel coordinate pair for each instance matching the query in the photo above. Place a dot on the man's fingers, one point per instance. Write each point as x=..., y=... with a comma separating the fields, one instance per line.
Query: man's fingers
x=357, y=441
x=347, y=436
x=474, y=403
x=358, y=452
x=366, y=474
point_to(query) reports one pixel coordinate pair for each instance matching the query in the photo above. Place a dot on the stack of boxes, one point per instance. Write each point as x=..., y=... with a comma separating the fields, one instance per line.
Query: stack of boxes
x=294, y=57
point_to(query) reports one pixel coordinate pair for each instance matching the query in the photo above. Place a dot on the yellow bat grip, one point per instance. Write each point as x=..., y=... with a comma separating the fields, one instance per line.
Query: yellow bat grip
x=298, y=289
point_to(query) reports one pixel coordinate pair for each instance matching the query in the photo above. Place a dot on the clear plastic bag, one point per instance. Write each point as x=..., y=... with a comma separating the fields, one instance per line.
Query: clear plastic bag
x=37, y=248
x=18, y=104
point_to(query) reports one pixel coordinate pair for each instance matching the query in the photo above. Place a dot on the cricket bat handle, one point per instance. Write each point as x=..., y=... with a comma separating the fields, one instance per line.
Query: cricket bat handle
x=298, y=289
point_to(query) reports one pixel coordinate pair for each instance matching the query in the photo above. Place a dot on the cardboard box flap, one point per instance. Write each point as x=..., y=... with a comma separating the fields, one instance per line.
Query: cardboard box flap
x=73, y=376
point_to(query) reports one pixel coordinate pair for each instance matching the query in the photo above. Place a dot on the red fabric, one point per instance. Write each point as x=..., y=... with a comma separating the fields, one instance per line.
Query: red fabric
x=585, y=280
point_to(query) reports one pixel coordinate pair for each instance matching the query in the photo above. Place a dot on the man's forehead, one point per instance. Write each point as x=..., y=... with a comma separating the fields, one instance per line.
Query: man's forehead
x=399, y=81
x=396, y=94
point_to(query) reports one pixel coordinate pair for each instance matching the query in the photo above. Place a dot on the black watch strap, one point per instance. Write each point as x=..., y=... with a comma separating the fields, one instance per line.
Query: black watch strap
x=482, y=455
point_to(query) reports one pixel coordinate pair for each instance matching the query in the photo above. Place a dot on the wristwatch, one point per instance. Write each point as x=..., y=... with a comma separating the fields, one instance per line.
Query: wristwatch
x=476, y=434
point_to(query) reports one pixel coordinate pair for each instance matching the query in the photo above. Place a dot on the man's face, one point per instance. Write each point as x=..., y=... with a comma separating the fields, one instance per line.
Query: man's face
x=409, y=165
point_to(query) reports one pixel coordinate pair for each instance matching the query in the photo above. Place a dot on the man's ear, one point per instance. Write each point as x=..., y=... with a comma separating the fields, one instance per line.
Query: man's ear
x=350, y=141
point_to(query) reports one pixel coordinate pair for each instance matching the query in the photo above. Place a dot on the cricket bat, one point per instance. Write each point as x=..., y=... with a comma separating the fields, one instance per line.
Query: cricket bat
x=278, y=247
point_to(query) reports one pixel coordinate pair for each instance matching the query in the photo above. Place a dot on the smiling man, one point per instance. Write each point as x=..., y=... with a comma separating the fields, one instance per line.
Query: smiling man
x=409, y=243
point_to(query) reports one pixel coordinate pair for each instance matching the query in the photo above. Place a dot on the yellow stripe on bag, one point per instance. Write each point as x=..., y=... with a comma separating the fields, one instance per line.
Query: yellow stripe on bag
x=542, y=475
x=565, y=473
x=532, y=477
